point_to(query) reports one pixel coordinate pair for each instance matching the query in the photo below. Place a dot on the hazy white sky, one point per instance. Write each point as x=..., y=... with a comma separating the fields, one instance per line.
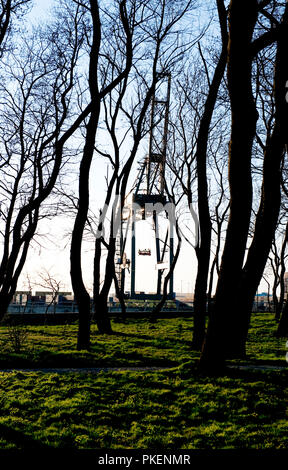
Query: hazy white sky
x=40, y=9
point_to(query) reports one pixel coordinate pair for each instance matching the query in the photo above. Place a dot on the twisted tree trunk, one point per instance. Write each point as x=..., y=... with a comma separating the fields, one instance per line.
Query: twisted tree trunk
x=219, y=339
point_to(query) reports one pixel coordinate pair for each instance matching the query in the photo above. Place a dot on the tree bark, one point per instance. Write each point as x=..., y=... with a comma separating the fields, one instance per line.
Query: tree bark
x=203, y=251
x=281, y=277
x=101, y=306
x=81, y=295
x=4, y=304
x=267, y=216
x=219, y=339
x=282, y=330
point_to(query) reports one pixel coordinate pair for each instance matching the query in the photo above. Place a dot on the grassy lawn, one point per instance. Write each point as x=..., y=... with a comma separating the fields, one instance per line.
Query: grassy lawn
x=133, y=343
x=168, y=409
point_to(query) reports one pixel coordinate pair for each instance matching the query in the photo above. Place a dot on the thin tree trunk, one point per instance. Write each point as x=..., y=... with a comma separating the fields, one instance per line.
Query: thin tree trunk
x=160, y=304
x=120, y=296
x=203, y=251
x=101, y=301
x=282, y=273
x=81, y=295
x=282, y=330
x=102, y=315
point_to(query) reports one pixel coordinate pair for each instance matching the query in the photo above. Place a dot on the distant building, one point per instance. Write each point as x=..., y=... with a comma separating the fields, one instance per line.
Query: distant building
x=261, y=302
x=185, y=297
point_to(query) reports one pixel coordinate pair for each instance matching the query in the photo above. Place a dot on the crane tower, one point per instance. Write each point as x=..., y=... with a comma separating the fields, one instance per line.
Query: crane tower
x=148, y=191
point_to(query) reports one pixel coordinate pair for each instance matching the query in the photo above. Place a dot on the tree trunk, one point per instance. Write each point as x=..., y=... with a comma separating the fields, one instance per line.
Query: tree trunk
x=200, y=300
x=267, y=216
x=120, y=295
x=219, y=338
x=83, y=340
x=203, y=251
x=102, y=315
x=278, y=310
x=160, y=304
x=101, y=300
x=282, y=273
x=5, y=300
x=282, y=330
x=81, y=295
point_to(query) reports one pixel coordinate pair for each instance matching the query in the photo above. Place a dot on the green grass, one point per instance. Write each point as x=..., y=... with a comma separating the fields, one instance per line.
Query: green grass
x=262, y=343
x=168, y=409
x=134, y=343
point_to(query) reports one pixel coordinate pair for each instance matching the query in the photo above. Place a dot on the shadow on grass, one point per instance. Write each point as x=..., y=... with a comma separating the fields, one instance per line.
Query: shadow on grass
x=124, y=335
x=20, y=439
x=145, y=338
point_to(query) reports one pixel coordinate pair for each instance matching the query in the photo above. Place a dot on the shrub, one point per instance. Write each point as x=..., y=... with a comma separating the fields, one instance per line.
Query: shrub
x=17, y=336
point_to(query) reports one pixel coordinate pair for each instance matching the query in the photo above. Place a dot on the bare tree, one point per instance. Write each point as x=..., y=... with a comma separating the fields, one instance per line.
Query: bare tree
x=225, y=336
x=11, y=11
x=114, y=75
x=277, y=260
x=203, y=250
x=146, y=53
x=221, y=207
x=36, y=122
x=46, y=280
x=194, y=121
x=269, y=207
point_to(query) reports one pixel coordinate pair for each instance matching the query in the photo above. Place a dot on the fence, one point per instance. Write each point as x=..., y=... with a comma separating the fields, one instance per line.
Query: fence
x=71, y=307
